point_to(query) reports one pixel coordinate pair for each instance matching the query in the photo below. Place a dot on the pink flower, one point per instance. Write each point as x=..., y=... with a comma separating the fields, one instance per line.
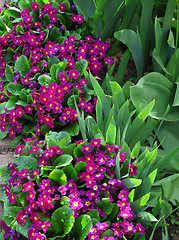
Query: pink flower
x=20, y=218
x=95, y=142
x=73, y=74
x=133, y=170
x=35, y=6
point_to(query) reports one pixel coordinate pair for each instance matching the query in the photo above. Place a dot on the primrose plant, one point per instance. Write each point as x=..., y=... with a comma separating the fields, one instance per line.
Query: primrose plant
x=58, y=189
x=45, y=49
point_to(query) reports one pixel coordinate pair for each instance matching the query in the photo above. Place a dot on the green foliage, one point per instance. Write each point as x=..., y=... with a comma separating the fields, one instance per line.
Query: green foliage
x=106, y=17
x=63, y=220
x=82, y=226
x=116, y=118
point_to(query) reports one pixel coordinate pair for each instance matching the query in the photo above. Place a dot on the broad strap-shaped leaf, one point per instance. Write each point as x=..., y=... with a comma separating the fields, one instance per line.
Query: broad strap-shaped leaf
x=146, y=185
x=82, y=227
x=111, y=132
x=154, y=86
x=131, y=40
x=122, y=66
x=132, y=182
x=118, y=97
x=174, y=197
x=86, y=7
x=139, y=121
x=146, y=26
x=160, y=165
x=145, y=163
x=99, y=92
x=147, y=217
x=117, y=167
x=140, y=204
x=62, y=220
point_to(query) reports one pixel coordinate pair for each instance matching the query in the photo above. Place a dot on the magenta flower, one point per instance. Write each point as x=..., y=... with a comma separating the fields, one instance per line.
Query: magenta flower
x=29, y=186
x=20, y=218
x=133, y=170
x=23, y=173
x=140, y=228
x=35, y=6
x=102, y=226
x=11, y=198
x=108, y=60
x=95, y=142
x=73, y=74
x=86, y=149
x=19, y=149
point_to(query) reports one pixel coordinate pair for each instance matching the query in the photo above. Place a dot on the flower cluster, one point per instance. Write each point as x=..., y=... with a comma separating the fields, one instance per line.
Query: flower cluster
x=51, y=70
x=94, y=188
x=8, y=232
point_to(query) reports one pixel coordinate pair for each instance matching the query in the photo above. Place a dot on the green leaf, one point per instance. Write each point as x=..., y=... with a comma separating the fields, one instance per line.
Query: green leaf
x=71, y=101
x=114, y=212
x=3, y=134
x=122, y=66
x=12, y=12
x=176, y=98
x=14, y=88
x=63, y=160
x=105, y=205
x=27, y=129
x=9, y=73
x=55, y=34
x=140, y=204
x=72, y=129
x=117, y=167
x=166, y=208
x=111, y=132
x=16, y=141
x=146, y=27
x=26, y=162
x=62, y=220
x=24, y=229
x=22, y=198
x=135, y=150
x=80, y=167
x=23, y=4
x=21, y=65
x=147, y=217
x=86, y=7
x=58, y=177
x=99, y=92
x=154, y=86
x=132, y=182
x=71, y=173
x=145, y=187
x=81, y=65
x=82, y=227
x=131, y=40
x=118, y=97
x=44, y=80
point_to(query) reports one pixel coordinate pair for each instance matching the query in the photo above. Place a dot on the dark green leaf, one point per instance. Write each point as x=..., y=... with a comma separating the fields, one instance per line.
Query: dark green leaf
x=21, y=65
x=63, y=160
x=82, y=226
x=58, y=177
x=62, y=220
